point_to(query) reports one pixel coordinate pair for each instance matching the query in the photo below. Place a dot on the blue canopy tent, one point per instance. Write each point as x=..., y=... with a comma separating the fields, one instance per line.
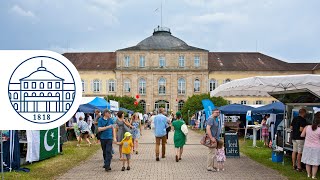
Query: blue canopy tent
x=100, y=103
x=235, y=109
x=274, y=108
x=88, y=108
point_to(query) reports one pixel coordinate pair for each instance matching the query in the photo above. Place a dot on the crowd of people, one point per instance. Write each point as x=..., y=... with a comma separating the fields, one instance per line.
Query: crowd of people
x=114, y=129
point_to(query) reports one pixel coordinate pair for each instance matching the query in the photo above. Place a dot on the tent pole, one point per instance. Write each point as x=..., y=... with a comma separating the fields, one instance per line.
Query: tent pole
x=284, y=124
x=2, y=175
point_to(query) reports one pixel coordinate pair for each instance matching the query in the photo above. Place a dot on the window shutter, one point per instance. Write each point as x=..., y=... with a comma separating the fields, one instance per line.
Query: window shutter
x=115, y=85
x=107, y=82
x=100, y=86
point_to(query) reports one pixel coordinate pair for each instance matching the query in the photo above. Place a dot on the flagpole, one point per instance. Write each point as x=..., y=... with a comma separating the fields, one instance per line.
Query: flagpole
x=161, y=13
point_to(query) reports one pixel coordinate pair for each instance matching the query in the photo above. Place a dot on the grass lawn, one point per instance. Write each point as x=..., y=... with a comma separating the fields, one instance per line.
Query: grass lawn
x=263, y=155
x=55, y=166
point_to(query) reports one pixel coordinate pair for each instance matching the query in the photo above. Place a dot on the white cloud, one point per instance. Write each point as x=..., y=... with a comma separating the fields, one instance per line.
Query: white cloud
x=220, y=18
x=18, y=10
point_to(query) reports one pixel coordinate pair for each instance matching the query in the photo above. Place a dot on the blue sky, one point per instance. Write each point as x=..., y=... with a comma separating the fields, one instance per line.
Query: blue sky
x=285, y=29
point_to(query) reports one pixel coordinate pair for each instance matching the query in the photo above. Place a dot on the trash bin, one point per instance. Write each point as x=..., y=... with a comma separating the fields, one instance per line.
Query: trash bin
x=277, y=156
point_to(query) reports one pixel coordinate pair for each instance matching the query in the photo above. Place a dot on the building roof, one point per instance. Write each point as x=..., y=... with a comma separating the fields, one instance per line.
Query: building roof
x=162, y=40
x=93, y=60
x=252, y=61
x=41, y=74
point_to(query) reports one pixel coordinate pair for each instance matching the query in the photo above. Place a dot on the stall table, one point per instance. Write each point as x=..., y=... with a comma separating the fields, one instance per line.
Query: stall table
x=255, y=129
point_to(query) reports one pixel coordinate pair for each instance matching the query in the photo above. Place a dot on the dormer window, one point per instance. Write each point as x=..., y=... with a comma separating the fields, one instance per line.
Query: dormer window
x=126, y=61
x=162, y=62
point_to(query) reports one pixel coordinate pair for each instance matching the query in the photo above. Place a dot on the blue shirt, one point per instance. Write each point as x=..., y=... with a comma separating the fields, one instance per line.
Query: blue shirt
x=106, y=134
x=214, y=127
x=160, y=125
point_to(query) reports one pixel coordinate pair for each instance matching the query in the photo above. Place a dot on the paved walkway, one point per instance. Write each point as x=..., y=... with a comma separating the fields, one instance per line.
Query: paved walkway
x=192, y=166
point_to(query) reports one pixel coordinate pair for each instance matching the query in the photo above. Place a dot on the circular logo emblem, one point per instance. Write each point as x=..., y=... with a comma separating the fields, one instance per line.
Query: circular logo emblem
x=41, y=89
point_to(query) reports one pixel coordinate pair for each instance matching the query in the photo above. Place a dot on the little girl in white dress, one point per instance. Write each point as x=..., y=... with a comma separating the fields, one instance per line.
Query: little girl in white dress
x=221, y=156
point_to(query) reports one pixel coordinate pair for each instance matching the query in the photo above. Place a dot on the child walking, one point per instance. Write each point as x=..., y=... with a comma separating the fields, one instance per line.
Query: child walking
x=221, y=156
x=126, y=150
x=84, y=131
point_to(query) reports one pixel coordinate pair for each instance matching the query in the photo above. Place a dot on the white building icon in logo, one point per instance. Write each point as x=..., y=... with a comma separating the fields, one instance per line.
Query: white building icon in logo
x=42, y=96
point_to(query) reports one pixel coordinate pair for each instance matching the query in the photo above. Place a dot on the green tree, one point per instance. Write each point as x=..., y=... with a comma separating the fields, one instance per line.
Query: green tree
x=194, y=104
x=126, y=102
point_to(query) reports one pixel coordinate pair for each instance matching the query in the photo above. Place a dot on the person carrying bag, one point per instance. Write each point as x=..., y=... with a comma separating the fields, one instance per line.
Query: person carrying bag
x=211, y=138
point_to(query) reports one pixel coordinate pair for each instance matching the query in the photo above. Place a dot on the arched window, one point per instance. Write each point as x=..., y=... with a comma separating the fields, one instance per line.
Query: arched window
x=112, y=85
x=162, y=86
x=83, y=85
x=197, y=85
x=73, y=95
x=58, y=94
x=180, y=105
x=212, y=84
x=67, y=95
x=227, y=80
x=67, y=106
x=49, y=94
x=34, y=94
x=126, y=85
x=25, y=94
x=10, y=96
x=41, y=94
x=143, y=104
x=96, y=85
x=15, y=95
x=41, y=85
x=142, y=86
x=181, y=86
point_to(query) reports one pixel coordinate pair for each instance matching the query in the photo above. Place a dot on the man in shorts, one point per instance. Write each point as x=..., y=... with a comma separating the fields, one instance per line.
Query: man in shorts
x=297, y=126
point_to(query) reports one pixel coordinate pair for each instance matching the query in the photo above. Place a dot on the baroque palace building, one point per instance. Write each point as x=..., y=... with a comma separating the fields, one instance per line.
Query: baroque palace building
x=165, y=71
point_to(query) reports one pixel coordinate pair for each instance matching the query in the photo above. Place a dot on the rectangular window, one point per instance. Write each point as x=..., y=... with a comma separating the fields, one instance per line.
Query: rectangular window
x=57, y=85
x=49, y=85
x=181, y=61
x=126, y=61
x=142, y=61
x=229, y=102
x=273, y=101
x=162, y=61
x=25, y=85
x=258, y=102
x=112, y=86
x=196, y=61
x=127, y=86
x=243, y=102
x=34, y=85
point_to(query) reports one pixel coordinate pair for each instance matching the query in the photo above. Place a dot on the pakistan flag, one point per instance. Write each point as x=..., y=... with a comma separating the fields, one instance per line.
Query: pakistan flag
x=42, y=144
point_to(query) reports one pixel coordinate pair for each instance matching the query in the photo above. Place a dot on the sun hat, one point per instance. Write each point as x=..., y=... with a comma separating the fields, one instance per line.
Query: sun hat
x=127, y=134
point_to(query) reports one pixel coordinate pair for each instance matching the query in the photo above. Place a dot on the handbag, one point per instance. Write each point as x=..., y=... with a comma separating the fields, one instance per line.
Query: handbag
x=206, y=141
x=184, y=129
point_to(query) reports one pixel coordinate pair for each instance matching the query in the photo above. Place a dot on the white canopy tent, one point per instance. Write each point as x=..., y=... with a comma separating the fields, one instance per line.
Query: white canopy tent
x=265, y=85
x=261, y=85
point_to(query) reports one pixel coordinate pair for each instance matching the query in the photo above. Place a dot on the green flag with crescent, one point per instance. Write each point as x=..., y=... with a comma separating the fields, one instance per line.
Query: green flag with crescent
x=49, y=144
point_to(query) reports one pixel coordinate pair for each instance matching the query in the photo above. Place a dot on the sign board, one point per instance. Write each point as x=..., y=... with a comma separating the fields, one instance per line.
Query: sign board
x=231, y=144
x=248, y=116
x=114, y=105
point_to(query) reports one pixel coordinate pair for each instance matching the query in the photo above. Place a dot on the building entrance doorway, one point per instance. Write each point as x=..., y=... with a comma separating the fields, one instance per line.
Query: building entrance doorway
x=162, y=103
